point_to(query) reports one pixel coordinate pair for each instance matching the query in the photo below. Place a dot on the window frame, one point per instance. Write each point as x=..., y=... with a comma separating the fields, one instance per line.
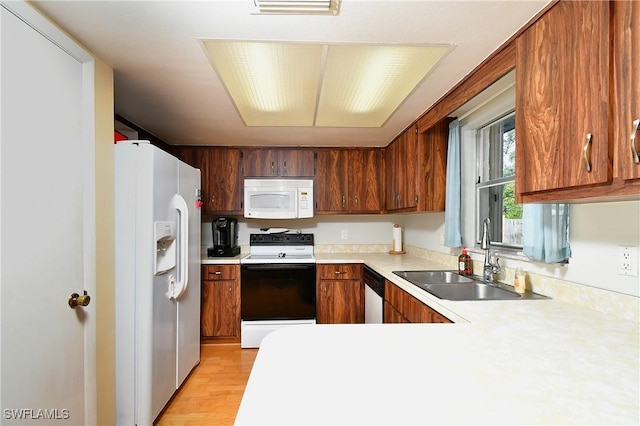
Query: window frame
x=489, y=183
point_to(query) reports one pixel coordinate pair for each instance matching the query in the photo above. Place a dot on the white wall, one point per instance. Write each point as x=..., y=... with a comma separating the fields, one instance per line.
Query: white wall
x=595, y=232
x=361, y=229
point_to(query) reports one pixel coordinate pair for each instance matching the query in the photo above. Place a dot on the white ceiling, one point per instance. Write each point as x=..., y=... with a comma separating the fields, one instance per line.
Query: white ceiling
x=165, y=84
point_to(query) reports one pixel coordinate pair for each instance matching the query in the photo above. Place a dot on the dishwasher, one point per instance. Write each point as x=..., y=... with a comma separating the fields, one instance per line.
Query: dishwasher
x=373, y=296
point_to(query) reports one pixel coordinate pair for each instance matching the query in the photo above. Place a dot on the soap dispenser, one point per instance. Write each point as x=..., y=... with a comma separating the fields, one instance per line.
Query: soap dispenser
x=464, y=263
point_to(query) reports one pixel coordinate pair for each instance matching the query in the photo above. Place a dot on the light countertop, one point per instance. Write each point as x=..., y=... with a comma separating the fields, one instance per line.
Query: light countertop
x=235, y=260
x=501, y=362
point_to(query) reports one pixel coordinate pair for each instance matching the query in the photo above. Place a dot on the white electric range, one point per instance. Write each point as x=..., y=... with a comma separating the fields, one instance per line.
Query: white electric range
x=278, y=285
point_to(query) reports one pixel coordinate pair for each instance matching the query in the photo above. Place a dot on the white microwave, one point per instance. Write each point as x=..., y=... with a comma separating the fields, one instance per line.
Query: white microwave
x=278, y=198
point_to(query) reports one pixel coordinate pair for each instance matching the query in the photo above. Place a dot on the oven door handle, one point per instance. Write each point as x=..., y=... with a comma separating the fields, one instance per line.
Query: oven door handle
x=277, y=266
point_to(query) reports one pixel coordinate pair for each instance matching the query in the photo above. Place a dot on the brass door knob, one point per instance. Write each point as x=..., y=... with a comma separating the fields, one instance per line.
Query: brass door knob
x=79, y=300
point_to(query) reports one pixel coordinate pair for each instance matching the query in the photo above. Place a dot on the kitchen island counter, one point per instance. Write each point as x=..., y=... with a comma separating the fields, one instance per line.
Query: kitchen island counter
x=501, y=362
x=441, y=374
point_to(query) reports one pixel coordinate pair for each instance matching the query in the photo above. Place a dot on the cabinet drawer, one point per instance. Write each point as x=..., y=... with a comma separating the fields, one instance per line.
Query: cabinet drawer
x=351, y=271
x=220, y=272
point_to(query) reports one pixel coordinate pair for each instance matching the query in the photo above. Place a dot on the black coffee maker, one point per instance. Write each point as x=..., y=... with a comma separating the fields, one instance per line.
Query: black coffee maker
x=225, y=238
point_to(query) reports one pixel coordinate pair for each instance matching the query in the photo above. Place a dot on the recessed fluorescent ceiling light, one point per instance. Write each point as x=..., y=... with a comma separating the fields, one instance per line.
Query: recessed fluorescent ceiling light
x=298, y=7
x=335, y=85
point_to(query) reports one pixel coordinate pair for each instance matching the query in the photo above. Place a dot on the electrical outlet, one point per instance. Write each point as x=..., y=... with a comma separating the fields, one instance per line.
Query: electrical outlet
x=628, y=260
x=344, y=234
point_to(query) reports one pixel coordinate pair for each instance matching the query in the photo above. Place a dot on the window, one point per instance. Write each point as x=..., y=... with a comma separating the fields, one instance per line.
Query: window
x=495, y=184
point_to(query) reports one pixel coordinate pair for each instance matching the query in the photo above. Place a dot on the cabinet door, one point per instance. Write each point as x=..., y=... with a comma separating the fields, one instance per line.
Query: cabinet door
x=562, y=93
x=406, y=166
x=392, y=316
x=402, y=157
x=340, y=302
x=407, y=308
x=220, y=308
x=626, y=65
x=279, y=162
x=207, y=324
x=331, y=181
x=260, y=162
x=200, y=158
x=226, y=304
x=432, y=167
x=366, y=177
x=224, y=180
x=297, y=162
x=391, y=173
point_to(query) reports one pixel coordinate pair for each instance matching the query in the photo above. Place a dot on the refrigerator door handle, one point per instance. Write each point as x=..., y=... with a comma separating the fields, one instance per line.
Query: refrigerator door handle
x=183, y=234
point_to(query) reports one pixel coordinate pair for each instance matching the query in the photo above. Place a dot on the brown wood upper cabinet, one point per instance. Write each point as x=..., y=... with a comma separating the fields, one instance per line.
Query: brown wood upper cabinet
x=432, y=167
x=221, y=176
x=416, y=169
x=349, y=180
x=402, y=159
x=279, y=162
x=567, y=141
x=339, y=294
x=626, y=90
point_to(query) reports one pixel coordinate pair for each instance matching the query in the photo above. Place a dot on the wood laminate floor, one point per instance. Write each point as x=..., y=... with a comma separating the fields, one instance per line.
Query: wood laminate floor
x=211, y=394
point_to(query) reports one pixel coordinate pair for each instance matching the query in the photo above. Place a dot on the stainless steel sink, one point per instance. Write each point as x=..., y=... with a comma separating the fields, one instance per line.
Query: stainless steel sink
x=452, y=286
x=423, y=277
x=470, y=291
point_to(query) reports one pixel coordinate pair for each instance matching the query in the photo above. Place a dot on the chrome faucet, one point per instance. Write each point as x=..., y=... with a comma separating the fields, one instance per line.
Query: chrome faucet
x=489, y=269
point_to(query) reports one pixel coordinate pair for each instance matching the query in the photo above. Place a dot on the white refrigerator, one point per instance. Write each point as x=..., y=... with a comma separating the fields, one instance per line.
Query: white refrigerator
x=157, y=222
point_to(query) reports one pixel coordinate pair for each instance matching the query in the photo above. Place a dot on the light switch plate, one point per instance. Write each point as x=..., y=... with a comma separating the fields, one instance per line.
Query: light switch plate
x=628, y=261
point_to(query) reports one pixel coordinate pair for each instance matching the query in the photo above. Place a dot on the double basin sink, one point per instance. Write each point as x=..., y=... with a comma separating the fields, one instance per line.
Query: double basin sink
x=452, y=286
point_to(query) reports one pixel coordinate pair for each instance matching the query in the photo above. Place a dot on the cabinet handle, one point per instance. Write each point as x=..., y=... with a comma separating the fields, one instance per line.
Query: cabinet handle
x=634, y=133
x=273, y=168
x=338, y=272
x=356, y=201
x=215, y=273
x=344, y=201
x=284, y=168
x=586, y=152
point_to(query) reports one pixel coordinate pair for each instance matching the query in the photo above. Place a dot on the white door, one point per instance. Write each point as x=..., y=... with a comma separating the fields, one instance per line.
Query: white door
x=47, y=229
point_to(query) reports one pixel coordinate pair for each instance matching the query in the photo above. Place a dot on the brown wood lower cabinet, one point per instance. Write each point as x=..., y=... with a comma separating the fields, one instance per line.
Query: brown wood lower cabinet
x=401, y=307
x=339, y=294
x=220, y=314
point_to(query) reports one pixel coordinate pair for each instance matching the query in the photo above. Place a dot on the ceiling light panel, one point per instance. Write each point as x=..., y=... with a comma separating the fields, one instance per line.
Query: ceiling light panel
x=298, y=7
x=364, y=84
x=272, y=84
x=302, y=85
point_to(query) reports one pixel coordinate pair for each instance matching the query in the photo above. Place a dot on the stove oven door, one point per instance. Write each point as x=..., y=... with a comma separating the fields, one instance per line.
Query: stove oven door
x=278, y=291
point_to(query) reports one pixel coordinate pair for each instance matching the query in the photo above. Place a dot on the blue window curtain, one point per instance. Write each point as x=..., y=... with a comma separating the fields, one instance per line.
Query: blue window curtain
x=452, y=236
x=545, y=232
